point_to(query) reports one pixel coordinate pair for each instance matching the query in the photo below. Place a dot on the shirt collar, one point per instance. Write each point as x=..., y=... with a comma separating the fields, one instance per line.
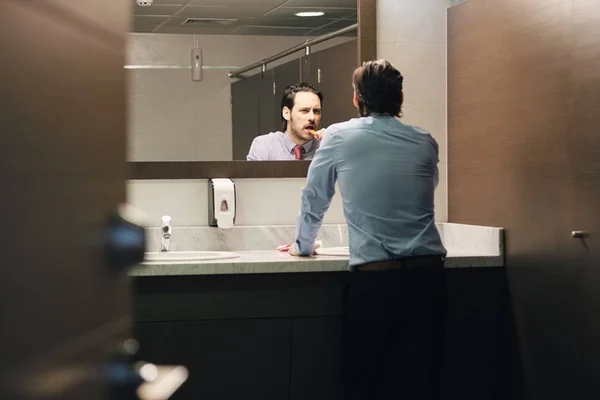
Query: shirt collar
x=289, y=143
x=376, y=114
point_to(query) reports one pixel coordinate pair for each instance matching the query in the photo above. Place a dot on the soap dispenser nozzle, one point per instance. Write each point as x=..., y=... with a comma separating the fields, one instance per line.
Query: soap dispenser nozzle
x=165, y=227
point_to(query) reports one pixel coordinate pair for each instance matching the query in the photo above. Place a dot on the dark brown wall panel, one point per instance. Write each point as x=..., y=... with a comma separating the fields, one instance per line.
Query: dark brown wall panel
x=63, y=170
x=522, y=143
x=337, y=65
x=245, y=114
x=584, y=151
x=367, y=30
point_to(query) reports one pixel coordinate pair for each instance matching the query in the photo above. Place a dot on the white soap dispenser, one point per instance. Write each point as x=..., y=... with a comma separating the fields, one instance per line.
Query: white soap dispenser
x=221, y=203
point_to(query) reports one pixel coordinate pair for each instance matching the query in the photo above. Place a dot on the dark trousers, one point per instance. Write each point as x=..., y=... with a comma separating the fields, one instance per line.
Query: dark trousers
x=393, y=329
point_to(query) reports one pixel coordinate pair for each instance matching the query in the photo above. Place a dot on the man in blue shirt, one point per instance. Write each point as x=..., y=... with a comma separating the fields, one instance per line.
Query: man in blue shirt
x=394, y=307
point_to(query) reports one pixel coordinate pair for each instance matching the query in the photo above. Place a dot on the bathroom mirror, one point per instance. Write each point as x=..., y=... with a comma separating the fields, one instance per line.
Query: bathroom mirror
x=206, y=76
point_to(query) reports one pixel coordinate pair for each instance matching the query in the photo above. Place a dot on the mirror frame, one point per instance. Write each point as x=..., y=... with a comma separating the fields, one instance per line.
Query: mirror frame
x=367, y=50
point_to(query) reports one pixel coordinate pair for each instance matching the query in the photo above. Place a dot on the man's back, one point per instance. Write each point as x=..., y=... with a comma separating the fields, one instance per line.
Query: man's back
x=387, y=173
x=395, y=303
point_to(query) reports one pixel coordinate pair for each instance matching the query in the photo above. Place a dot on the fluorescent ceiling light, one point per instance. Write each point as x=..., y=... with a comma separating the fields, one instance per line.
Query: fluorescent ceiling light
x=310, y=14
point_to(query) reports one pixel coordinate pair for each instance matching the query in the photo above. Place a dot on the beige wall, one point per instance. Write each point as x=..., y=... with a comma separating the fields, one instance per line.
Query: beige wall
x=171, y=117
x=259, y=201
x=411, y=34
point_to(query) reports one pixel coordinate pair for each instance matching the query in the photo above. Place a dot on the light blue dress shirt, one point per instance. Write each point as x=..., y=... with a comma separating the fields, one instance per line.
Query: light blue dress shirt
x=387, y=173
x=278, y=146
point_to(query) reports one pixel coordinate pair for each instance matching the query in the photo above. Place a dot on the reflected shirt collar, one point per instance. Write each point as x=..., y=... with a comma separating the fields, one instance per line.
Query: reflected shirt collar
x=289, y=143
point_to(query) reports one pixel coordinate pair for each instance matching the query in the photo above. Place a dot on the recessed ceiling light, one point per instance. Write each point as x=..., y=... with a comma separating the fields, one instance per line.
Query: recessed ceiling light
x=310, y=14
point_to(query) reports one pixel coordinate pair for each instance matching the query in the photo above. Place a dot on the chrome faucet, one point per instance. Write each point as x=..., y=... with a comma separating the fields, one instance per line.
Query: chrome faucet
x=165, y=227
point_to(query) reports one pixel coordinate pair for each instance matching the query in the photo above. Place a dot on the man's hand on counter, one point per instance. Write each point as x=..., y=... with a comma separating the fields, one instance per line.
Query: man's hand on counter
x=294, y=252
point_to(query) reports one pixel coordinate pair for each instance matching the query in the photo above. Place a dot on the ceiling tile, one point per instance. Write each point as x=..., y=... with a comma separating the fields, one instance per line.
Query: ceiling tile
x=169, y=2
x=237, y=3
x=323, y=3
x=280, y=19
x=329, y=12
x=266, y=31
x=174, y=26
x=223, y=12
x=289, y=22
x=146, y=24
x=156, y=10
x=195, y=30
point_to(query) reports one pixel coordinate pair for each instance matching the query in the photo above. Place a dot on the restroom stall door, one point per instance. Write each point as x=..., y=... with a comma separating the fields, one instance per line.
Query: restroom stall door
x=267, y=102
x=284, y=75
x=63, y=171
x=245, y=114
x=336, y=65
x=584, y=150
x=309, y=69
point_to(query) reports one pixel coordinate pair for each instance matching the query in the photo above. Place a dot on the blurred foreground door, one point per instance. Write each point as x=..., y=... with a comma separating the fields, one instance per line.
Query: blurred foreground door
x=64, y=305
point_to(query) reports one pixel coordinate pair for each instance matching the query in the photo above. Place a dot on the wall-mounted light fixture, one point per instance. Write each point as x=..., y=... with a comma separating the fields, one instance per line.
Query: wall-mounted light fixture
x=196, y=64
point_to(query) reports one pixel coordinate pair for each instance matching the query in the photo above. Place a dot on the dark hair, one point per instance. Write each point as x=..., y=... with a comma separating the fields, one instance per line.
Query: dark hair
x=290, y=94
x=378, y=87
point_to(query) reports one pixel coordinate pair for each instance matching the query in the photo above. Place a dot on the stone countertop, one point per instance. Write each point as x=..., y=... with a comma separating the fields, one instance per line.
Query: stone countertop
x=272, y=261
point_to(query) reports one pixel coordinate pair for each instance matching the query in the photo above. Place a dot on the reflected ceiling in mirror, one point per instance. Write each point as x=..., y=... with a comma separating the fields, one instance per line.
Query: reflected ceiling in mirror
x=243, y=17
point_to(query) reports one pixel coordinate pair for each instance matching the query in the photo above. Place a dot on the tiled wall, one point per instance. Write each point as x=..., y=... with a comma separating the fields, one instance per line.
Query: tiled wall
x=411, y=34
x=171, y=117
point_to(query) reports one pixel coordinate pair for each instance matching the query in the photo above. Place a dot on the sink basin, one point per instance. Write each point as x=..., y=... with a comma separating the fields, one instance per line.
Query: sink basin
x=188, y=256
x=333, y=251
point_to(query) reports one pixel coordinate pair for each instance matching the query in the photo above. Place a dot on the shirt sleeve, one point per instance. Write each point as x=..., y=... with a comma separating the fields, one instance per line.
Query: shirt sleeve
x=436, y=172
x=256, y=152
x=316, y=195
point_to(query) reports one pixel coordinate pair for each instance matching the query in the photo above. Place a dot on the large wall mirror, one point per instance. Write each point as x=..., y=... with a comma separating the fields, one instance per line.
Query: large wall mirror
x=206, y=77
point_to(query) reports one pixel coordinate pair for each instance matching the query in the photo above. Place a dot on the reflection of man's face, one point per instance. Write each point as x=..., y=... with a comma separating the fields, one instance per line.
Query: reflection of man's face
x=304, y=117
